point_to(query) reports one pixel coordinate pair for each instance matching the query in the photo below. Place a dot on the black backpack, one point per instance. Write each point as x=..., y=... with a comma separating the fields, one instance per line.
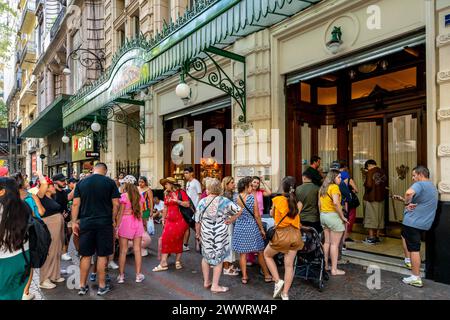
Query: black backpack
x=39, y=241
x=187, y=213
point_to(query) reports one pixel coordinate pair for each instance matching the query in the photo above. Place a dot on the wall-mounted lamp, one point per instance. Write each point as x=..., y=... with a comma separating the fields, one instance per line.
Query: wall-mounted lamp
x=65, y=138
x=95, y=126
x=336, y=40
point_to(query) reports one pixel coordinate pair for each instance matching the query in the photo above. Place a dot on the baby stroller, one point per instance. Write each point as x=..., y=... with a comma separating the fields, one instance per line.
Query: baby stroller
x=310, y=261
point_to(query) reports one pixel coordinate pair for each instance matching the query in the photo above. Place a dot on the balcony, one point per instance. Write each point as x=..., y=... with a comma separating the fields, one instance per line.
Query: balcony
x=27, y=56
x=28, y=17
x=57, y=23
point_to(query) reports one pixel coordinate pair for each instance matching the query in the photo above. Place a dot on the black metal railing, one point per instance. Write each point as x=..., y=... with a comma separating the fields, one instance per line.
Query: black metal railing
x=57, y=23
x=128, y=168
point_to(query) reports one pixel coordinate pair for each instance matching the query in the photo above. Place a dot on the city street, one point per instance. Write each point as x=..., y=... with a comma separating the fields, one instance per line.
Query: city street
x=186, y=284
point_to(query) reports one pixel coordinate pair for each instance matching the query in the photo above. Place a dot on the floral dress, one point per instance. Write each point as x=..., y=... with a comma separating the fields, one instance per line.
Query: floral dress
x=212, y=212
x=246, y=235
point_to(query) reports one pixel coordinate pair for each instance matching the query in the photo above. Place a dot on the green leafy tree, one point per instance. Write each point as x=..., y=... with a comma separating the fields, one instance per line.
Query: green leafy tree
x=6, y=29
x=3, y=114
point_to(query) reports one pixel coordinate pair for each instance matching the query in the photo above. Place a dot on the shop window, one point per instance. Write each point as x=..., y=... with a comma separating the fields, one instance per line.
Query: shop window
x=393, y=81
x=305, y=92
x=327, y=96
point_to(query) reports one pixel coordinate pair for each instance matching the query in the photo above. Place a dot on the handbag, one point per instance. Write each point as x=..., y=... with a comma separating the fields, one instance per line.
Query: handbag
x=271, y=231
x=187, y=213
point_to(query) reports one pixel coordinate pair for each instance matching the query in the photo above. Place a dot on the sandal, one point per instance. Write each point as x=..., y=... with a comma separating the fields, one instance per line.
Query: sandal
x=178, y=265
x=160, y=268
x=268, y=280
x=207, y=286
x=221, y=290
x=230, y=272
x=244, y=280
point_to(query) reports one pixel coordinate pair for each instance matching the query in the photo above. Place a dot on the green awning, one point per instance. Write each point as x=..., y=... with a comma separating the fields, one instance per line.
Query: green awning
x=141, y=63
x=49, y=120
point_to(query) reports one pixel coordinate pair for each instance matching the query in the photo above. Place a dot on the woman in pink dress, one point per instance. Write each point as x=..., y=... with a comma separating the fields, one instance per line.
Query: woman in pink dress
x=173, y=223
x=131, y=227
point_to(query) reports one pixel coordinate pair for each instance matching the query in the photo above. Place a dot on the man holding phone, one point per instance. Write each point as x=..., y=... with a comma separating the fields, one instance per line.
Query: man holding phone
x=420, y=201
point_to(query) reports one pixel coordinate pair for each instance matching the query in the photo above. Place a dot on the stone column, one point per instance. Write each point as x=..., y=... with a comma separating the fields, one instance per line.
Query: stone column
x=442, y=96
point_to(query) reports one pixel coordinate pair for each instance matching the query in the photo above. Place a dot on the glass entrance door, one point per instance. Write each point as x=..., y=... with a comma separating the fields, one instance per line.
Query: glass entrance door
x=402, y=158
x=366, y=144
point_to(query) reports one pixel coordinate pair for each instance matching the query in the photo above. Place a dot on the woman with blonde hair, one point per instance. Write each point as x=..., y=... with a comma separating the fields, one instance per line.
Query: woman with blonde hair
x=214, y=214
x=228, y=191
x=332, y=218
x=131, y=227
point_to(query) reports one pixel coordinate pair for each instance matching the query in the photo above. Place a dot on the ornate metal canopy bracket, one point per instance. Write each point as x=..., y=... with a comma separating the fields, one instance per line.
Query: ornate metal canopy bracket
x=197, y=69
x=115, y=113
x=94, y=60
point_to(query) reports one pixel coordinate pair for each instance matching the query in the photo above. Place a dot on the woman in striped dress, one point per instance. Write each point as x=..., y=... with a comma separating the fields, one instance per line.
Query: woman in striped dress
x=248, y=233
x=214, y=214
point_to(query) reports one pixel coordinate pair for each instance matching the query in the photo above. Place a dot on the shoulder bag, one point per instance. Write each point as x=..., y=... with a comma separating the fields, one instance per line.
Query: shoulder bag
x=187, y=213
x=271, y=231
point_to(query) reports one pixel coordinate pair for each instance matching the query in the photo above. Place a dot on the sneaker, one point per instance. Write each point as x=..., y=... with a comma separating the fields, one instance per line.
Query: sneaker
x=59, y=280
x=47, y=284
x=408, y=265
x=93, y=277
x=370, y=241
x=144, y=252
x=140, y=277
x=66, y=257
x=284, y=297
x=413, y=281
x=185, y=248
x=83, y=290
x=112, y=265
x=28, y=296
x=103, y=291
x=277, y=288
x=121, y=278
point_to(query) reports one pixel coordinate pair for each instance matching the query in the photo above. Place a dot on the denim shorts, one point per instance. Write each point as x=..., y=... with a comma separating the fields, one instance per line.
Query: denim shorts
x=332, y=221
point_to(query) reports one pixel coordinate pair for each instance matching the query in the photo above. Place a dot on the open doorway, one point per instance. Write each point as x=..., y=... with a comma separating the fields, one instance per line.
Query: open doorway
x=373, y=110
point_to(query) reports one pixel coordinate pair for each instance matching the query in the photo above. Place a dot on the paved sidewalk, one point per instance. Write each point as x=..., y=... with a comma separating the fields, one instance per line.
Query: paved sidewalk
x=187, y=284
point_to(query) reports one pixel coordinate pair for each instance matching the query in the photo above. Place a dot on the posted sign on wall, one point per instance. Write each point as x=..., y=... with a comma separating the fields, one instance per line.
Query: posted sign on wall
x=81, y=144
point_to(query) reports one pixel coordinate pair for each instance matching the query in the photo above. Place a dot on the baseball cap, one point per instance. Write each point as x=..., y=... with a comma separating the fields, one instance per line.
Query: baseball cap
x=59, y=177
x=72, y=180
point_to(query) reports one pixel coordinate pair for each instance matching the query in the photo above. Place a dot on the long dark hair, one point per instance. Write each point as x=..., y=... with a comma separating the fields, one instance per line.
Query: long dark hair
x=14, y=217
x=134, y=196
x=288, y=186
x=19, y=179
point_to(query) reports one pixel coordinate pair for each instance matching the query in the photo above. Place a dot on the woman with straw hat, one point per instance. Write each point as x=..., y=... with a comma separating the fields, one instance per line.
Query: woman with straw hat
x=173, y=222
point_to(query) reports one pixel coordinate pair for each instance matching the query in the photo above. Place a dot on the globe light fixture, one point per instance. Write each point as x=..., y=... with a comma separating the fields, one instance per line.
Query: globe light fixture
x=65, y=138
x=95, y=126
x=183, y=91
x=66, y=71
x=336, y=40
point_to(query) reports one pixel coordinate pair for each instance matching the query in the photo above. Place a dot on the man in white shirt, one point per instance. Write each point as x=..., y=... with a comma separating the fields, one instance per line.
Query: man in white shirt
x=157, y=209
x=194, y=191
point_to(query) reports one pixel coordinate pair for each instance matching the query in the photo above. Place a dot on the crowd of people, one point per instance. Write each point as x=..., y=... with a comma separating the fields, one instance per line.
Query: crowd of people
x=95, y=213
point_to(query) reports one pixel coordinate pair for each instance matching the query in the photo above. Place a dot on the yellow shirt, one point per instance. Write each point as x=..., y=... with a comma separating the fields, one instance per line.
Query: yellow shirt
x=280, y=209
x=326, y=201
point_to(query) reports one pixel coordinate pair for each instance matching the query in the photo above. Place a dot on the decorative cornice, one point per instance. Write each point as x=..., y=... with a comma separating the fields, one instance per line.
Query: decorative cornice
x=443, y=40
x=443, y=76
x=443, y=114
x=444, y=150
x=444, y=187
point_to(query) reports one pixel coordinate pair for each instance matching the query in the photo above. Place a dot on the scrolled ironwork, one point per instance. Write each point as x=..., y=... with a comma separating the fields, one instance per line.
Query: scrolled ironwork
x=89, y=58
x=197, y=69
x=115, y=113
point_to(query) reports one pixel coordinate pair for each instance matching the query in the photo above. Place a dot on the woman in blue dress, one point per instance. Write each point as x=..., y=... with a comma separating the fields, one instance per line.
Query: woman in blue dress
x=248, y=233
